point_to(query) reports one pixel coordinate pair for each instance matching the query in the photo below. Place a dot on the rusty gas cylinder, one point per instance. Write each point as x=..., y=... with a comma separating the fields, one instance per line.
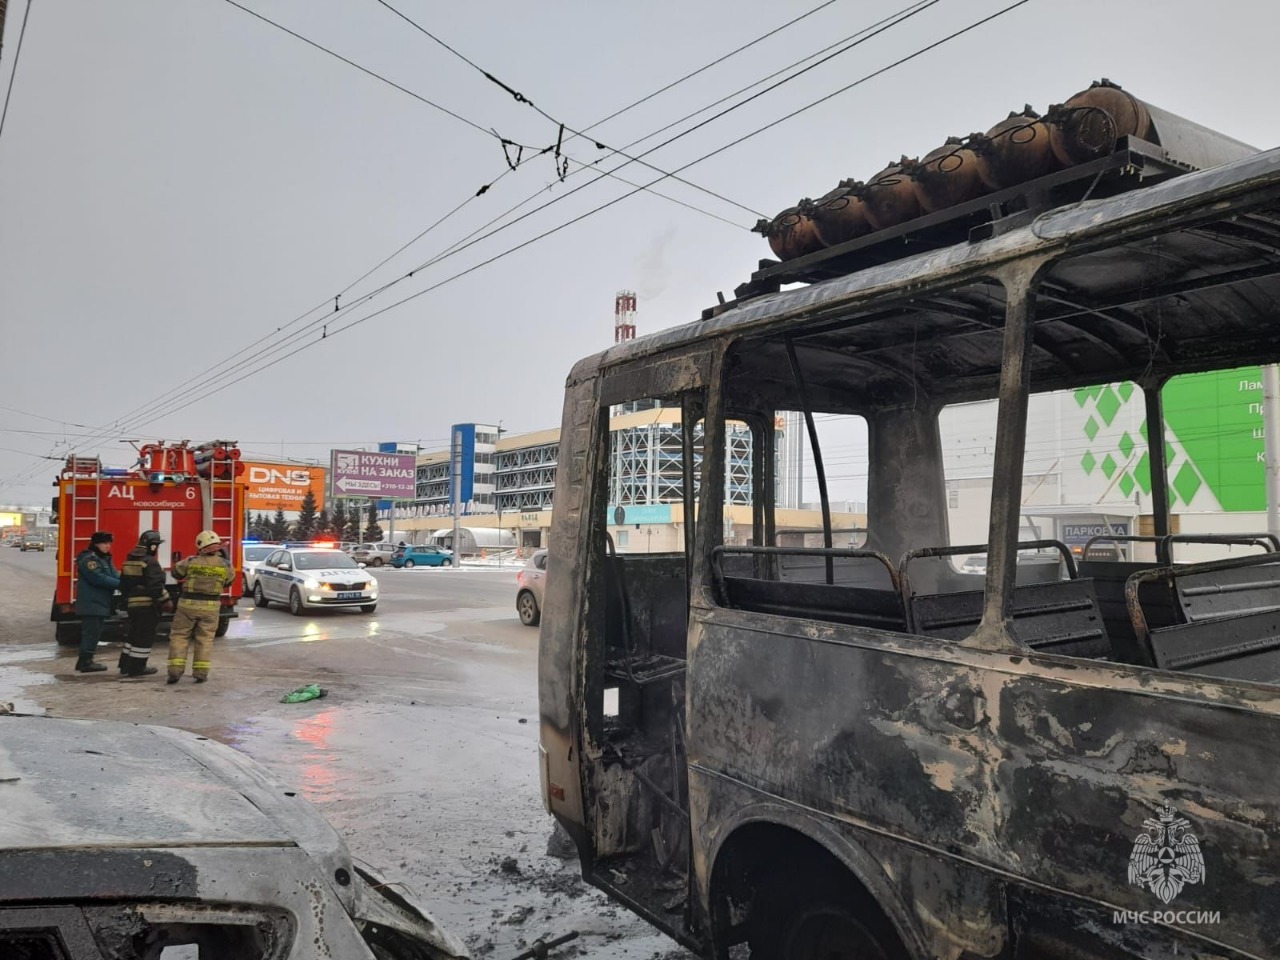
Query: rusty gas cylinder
x=889, y=196
x=1089, y=124
x=841, y=215
x=1016, y=150
x=791, y=233
x=951, y=174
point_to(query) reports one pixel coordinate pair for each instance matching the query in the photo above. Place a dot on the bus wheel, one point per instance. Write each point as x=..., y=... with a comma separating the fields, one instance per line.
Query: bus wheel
x=830, y=931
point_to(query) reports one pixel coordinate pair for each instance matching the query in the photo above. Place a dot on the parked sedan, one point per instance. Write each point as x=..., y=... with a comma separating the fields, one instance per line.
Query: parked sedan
x=423, y=555
x=373, y=554
x=529, y=588
x=305, y=578
x=252, y=556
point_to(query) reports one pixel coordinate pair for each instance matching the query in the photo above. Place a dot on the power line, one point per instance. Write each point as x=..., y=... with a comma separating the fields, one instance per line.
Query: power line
x=505, y=142
x=17, y=53
x=912, y=8
x=904, y=15
x=146, y=407
x=918, y=8
x=707, y=66
x=521, y=98
x=616, y=200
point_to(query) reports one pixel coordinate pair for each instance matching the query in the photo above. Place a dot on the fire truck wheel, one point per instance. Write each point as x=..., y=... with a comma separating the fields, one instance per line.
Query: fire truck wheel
x=224, y=623
x=295, y=603
x=67, y=634
x=259, y=598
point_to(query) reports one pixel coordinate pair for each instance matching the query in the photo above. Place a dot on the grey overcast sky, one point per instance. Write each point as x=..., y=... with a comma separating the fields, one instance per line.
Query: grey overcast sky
x=179, y=180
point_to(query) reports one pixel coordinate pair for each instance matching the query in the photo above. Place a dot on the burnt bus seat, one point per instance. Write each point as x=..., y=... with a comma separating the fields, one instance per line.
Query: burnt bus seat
x=1228, y=617
x=1059, y=617
x=801, y=590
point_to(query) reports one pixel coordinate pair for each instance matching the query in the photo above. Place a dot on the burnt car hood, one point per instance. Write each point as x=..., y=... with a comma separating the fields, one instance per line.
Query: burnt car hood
x=89, y=786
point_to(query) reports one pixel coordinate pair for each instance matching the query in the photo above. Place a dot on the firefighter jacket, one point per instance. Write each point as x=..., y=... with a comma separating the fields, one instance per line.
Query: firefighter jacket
x=98, y=583
x=142, y=579
x=202, y=578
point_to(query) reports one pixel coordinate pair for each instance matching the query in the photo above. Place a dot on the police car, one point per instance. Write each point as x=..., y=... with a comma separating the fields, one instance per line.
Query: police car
x=308, y=578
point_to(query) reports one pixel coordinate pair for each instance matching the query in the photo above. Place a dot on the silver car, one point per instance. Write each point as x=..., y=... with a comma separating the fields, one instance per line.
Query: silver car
x=529, y=587
x=373, y=554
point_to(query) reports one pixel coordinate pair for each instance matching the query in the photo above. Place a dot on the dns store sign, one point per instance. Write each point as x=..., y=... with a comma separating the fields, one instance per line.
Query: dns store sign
x=281, y=486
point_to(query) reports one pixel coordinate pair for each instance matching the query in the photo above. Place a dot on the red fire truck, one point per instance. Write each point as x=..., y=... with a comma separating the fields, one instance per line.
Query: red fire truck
x=178, y=489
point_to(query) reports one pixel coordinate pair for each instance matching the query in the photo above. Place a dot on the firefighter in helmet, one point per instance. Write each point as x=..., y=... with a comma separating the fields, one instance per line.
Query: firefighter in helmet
x=201, y=579
x=95, y=593
x=142, y=583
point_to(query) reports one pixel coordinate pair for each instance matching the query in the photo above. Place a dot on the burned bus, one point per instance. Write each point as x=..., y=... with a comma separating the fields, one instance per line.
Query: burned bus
x=804, y=751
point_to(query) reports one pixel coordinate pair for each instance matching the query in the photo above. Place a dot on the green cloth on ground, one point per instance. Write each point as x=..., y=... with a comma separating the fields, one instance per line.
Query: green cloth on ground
x=312, y=691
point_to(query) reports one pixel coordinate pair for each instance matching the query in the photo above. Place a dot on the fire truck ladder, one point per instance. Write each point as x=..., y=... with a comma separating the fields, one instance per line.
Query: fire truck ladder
x=218, y=494
x=84, y=474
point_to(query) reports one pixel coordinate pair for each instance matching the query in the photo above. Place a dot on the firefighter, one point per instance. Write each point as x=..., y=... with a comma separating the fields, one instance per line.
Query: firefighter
x=97, y=587
x=201, y=579
x=142, y=583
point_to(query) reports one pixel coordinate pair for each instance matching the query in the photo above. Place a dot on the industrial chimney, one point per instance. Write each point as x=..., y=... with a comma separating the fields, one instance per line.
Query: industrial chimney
x=624, y=316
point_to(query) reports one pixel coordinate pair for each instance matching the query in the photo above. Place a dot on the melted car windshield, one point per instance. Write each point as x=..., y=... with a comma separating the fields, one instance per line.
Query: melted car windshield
x=323, y=560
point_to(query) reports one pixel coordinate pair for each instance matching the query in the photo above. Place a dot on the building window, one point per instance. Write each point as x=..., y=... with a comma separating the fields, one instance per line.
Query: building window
x=953, y=498
x=624, y=538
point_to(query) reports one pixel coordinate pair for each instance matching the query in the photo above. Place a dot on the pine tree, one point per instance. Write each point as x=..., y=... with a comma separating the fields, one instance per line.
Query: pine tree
x=279, y=526
x=352, y=530
x=338, y=521
x=261, y=527
x=372, y=531
x=324, y=526
x=305, y=527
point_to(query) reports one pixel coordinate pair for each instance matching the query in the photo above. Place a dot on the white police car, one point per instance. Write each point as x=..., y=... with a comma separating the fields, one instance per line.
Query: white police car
x=308, y=577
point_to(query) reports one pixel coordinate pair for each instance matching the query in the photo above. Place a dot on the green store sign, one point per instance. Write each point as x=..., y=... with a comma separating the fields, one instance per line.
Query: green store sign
x=1214, y=434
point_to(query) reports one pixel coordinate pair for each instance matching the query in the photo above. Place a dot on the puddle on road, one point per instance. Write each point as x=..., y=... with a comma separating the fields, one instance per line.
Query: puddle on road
x=315, y=771
x=26, y=655
x=14, y=682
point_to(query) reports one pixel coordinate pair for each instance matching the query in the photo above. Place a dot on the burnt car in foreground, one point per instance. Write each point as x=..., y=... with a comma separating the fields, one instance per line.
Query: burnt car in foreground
x=134, y=842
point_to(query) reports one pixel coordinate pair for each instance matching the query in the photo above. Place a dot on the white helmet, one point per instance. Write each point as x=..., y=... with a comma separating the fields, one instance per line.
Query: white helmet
x=207, y=538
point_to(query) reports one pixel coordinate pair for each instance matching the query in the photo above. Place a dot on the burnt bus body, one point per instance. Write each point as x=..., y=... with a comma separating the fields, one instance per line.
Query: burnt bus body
x=873, y=755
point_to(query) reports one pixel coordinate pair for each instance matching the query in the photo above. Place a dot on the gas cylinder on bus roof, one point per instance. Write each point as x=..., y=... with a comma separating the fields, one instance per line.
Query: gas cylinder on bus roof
x=841, y=215
x=1016, y=150
x=1089, y=124
x=948, y=175
x=791, y=233
x=889, y=196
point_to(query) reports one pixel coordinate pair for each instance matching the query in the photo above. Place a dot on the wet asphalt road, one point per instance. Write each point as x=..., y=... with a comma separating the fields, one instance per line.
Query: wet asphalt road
x=423, y=755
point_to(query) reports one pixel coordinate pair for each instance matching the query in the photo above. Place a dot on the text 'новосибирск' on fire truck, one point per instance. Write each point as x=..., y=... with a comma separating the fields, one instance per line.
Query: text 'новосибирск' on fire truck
x=178, y=489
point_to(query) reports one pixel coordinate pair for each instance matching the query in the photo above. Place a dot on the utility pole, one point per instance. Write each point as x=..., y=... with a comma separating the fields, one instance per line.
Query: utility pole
x=1271, y=438
x=497, y=491
x=457, y=496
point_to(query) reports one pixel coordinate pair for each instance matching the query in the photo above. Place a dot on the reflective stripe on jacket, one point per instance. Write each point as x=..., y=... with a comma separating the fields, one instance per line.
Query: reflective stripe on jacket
x=203, y=578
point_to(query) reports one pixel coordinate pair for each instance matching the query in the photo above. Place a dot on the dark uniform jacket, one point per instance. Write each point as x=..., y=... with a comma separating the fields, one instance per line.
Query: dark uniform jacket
x=98, y=582
x=142, y=579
